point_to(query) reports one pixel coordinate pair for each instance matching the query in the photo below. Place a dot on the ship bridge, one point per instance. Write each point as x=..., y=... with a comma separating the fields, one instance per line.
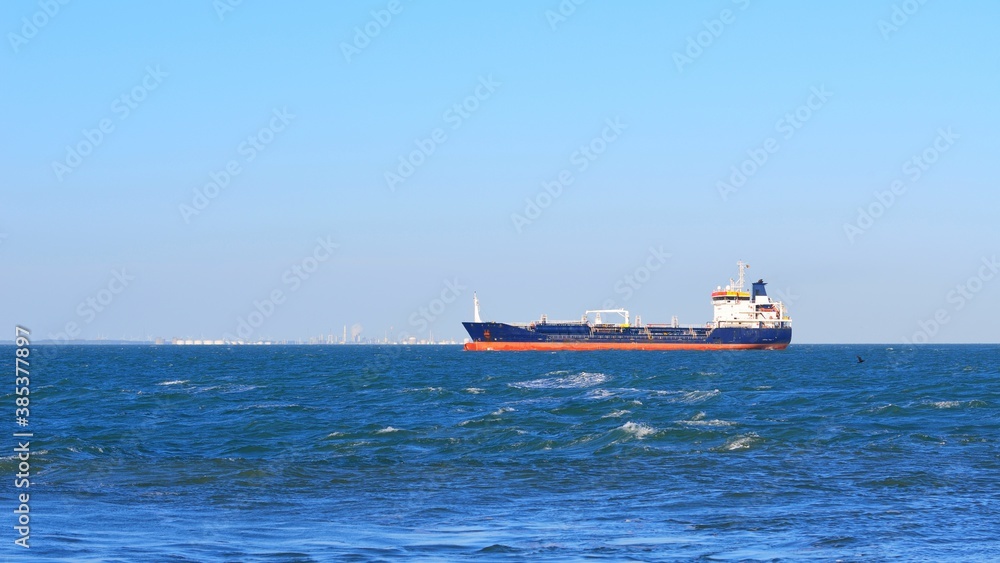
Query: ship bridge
x=734, y=306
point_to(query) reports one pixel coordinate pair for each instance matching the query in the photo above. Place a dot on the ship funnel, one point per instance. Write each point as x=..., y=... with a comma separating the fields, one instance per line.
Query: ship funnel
x=758, y=289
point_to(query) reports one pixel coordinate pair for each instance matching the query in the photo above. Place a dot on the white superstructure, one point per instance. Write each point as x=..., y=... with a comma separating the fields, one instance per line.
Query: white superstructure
x=736, y=307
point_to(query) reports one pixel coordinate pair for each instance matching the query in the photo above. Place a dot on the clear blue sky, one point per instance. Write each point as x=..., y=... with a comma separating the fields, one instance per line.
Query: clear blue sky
x=694, y=87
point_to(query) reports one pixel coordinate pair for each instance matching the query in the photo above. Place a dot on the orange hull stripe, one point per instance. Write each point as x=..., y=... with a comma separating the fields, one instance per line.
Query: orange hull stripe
x=550, y=346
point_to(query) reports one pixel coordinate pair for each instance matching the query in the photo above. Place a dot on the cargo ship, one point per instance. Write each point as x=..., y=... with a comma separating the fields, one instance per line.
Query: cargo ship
x=743, y=320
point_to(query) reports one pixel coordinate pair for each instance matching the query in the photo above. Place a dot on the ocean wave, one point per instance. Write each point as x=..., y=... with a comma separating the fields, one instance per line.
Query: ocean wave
x=885, y=409
x=582, y=379
x=742, y=442
x=474, y=390
x=226, y=388
x=640, y=430
x=616, y=414
x=173, y=382
x=387, y=430
x=946, y=404
x=15, y=458
x=710, y=423
x=268, y=406
x=953, y=404
x=488, y=419
x=699, y=420
x=691, y=397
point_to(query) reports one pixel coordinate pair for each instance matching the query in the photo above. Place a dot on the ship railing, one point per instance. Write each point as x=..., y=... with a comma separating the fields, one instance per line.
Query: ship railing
x=537, y=323
x=679, y=327
x=752, y=324
x=684, y=337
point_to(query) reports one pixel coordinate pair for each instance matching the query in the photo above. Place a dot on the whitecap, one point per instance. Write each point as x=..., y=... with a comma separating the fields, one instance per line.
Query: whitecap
x=713, y=423
x=600, y=394
x=474, y=390
x=640, y=430
x=946, y=404
x=582, y=379
x=387, y=430
x=697, y=396
x=616, y=414
x=743, y=442
x=14, y=457
x=174, y=382
x=502, y=410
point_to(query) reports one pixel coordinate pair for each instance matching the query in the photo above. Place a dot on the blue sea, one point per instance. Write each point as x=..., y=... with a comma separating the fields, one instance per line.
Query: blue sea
x=430, y=453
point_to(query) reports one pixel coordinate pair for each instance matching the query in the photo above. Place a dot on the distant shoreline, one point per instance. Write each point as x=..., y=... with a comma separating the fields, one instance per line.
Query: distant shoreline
x=291, y=343
x=265, y=343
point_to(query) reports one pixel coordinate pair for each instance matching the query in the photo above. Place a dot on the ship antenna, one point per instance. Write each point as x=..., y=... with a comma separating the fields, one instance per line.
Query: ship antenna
x=739, y=282
x=475, y=304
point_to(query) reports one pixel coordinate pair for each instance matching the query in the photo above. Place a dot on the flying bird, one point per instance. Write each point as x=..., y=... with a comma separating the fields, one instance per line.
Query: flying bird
x=861, y=360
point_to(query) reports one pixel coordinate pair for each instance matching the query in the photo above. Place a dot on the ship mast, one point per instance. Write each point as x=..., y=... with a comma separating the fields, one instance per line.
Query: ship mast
x=738, y=284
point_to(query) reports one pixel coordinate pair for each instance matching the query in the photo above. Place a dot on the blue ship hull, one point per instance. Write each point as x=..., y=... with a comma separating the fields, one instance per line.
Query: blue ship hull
x=580, y=336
